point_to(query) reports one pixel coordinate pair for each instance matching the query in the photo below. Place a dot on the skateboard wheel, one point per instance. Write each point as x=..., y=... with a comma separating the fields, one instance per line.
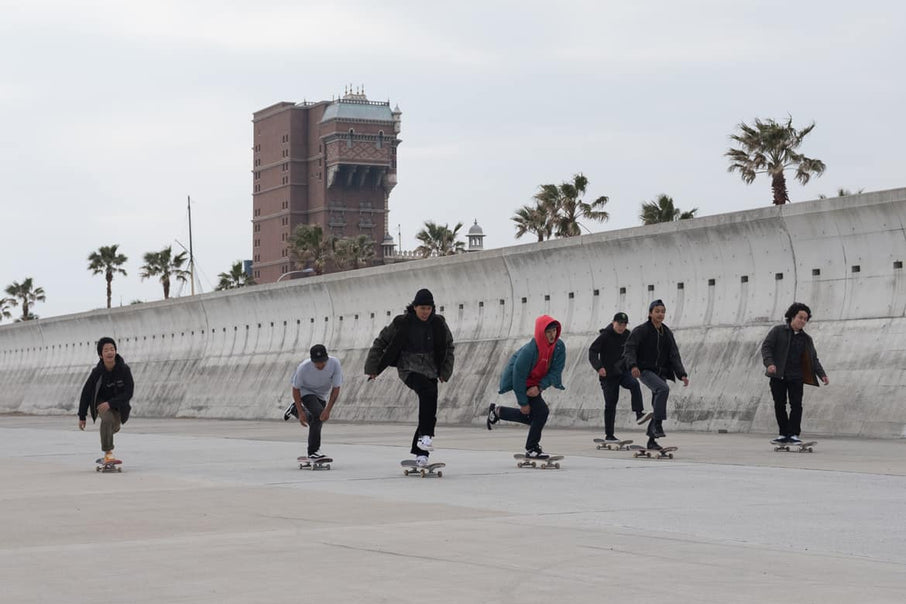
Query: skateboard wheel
x=327, y=467
x=809, y=449
x=439, y=473
x=557, y=465
x=534, y=465
x=97, y=469
x=423, y=473
x=670, y=455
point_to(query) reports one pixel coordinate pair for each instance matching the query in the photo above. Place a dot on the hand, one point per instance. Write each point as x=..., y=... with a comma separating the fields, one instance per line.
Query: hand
x=81, y=424
x=103, y=407
x=302, y=421
x=685, y=381
x=825, y=380
x=602, y=372
x=371, y=376
x=772, y=369
x=533, y=391
x=635, y=372
x=525, y=409
x=325, y=415
x=441, y=380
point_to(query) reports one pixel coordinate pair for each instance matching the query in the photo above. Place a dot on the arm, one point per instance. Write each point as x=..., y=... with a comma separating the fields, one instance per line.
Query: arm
x=525, y=360
x=554, y=375
x=297, y=401
x=630, y=350
x=767, y=350
x=446, y=371
x=594, y=354
x=819, y=370
x=378, y=348
x=334, y=394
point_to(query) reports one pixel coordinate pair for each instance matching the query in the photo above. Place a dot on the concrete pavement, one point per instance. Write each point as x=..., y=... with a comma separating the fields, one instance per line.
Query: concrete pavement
x=217, y=511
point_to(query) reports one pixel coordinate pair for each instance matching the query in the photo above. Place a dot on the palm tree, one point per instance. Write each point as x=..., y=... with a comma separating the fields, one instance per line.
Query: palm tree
x=237, y=277
x=106, y=260
x=354, y=252
x=533, y=219
x=768, y=147
x=309, y=246
x=439, y=240
x=559, y=208
x=5, y=304
x=28, y=294
x=663, y=210
x=164, y=264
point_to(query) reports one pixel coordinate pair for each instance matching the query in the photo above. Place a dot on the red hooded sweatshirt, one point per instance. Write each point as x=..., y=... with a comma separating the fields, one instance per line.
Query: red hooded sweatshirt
x=545, y=350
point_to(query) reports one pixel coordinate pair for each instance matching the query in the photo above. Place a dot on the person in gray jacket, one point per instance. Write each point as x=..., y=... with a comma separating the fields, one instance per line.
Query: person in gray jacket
x=790, y=361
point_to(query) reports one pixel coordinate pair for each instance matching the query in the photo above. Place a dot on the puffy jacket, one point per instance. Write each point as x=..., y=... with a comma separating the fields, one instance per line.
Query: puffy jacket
x=520, y=365
x=118, y=392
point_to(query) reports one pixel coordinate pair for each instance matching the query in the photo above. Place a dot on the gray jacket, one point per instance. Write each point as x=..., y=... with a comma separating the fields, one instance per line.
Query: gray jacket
x=775, y=348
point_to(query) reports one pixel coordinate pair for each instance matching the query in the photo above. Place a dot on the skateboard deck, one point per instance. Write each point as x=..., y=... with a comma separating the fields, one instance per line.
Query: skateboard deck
x=410, y=467
x=665, y=453
x=620, y=445
x=318, y=464
x=551, y=462
x=803, y=447
x=108, y=466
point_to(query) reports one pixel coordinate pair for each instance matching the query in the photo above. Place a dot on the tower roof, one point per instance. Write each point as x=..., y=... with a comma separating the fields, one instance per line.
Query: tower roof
x=475, y=229
x=356, y=109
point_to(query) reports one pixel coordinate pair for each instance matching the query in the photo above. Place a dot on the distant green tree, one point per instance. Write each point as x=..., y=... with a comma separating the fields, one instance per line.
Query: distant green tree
x=5, y=304
x=28, y=295
x=533, y=219
x=354, y=252
x=663, y=210
x=308, y=245
x=164, y=265
x=107, y=261
x=560, y=208
x=236, y=277
x=439, y=240
x=768, y=147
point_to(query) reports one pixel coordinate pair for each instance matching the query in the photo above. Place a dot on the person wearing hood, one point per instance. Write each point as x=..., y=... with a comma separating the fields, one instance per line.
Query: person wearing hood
x=107, y=393
x=652, y=356
x=420, y=345
x=532, y=369
x=606, y=357
x=790, y=360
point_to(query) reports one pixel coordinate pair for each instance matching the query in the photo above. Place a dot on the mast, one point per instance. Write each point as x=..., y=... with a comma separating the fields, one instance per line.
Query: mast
x=191, y=254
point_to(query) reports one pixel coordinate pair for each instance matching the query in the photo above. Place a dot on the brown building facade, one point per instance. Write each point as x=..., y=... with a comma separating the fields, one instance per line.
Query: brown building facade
x=331, y=164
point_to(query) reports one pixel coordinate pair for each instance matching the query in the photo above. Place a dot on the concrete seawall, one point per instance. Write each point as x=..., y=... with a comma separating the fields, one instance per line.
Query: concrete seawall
x=725, y=280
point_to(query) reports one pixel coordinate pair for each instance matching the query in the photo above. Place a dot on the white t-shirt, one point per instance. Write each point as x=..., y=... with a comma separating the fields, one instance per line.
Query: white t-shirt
x=308, y=379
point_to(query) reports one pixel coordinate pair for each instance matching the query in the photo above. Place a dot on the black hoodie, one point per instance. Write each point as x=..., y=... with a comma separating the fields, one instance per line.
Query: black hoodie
x=113, y=387
x=607, y=351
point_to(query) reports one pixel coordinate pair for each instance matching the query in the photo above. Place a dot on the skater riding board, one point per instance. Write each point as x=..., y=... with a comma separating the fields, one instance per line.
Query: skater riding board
x=665, y=453
x=612, y=445
x=410, y=467
x=108, y=466
x=803, y=447
x=533, y=462
x=317, y=464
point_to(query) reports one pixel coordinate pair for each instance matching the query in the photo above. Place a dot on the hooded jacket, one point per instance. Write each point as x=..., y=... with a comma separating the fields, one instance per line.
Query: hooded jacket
x=651, y=350
x=387, y=347
x=775, y=348
x=516, y=374
x=114, y=387
x=607, y=351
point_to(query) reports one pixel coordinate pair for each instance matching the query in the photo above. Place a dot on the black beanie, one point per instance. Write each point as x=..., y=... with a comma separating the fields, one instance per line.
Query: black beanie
x=423, y=298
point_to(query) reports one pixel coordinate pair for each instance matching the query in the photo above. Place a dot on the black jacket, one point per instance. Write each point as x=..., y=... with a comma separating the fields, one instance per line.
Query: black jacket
x=386, y=349
x=114, y=388
x=775, y=348
x=650, y=350
x=607, y=351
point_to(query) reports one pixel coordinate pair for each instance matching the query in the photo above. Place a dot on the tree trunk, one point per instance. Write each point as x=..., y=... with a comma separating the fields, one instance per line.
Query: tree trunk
x=109, y=289
x=778, y=185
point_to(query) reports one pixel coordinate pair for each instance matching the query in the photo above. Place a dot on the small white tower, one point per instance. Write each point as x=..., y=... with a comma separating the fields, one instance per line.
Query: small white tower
x=476, y=238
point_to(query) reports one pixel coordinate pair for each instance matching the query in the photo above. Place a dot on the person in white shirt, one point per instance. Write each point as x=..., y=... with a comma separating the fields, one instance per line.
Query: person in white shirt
x=316, y=386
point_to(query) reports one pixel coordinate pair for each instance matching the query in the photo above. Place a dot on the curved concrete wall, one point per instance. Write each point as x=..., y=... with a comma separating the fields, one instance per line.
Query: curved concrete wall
x=725, y=280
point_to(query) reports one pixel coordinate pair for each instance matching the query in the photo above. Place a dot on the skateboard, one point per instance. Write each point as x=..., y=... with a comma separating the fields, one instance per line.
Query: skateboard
x=108, y=466
x=665, y=453
x=318, y=464
x=803, y=447
x=544, y=464
x=410, y=467
x=620, y=445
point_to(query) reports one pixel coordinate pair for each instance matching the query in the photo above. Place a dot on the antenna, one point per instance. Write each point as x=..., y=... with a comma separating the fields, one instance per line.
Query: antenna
x=191, y=255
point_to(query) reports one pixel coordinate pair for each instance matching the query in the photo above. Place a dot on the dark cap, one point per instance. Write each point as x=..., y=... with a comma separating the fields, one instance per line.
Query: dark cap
x=621, y=317
x=318, y=353
x=657, y=302
x=423, y=297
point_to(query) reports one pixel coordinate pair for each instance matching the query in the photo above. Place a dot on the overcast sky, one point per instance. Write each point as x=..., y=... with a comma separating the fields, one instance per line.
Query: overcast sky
x=115, y=111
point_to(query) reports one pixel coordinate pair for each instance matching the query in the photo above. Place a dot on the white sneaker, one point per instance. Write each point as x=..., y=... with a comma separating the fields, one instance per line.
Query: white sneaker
x=424, y=443
x=794, y=440
x=421, y=461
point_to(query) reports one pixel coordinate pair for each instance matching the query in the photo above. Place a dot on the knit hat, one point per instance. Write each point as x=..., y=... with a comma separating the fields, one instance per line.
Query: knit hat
x=621, y=317
x=423, y=298
x=657, y=302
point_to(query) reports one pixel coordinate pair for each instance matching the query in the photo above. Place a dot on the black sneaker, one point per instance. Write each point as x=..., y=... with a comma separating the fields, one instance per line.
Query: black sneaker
x=290, y=412
x=536, y=453
x=641, y=417
x=652, y=444
x=780, y=440
x=493, y=418
x=610, y=438
x=658, y=430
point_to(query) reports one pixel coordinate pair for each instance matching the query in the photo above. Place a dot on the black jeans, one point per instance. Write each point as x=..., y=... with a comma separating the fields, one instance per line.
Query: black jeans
x=313, y=406
x=780, y=390
x=535, y=419
x=426, y=389
x=611, y=388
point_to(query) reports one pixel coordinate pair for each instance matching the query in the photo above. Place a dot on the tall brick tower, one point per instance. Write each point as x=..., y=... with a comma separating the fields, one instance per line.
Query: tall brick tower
x=329, y=163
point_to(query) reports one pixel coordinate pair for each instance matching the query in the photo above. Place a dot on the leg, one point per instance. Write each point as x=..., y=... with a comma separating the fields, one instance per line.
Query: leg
x=778, y=392
x=659, y=393
x=611, y=388
x=110, y=425
x=795, y=391
x=538, y=417
x=426, y=389
x=313, y=408
x=635, y=390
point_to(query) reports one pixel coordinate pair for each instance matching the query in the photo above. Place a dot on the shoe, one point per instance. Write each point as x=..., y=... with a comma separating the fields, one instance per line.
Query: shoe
x=610, y=438
x=658, y=429
x=652, y=444
x=493, y=418
x=109, y=456
x=780, y=440
x=793, y=440
x=316, y=456
x=536, y=453
x=290, y=412
x=421, y=461
x=641, y=417
x=424, y=443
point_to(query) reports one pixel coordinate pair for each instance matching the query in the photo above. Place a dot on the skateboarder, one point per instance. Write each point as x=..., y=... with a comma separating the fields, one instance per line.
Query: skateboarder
x=419, y=344
x=107, y=393
x=606, y=356
x=790, y=361
x=653, y=358
x=316, y=386
x=533, y=368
